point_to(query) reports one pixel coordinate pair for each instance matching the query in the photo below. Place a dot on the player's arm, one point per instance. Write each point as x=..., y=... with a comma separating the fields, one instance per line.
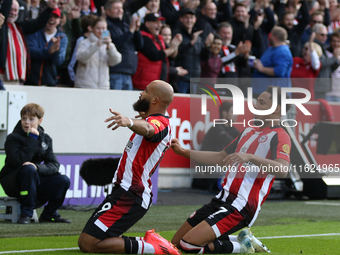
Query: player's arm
x=140, y=127
x=278, y=167
x=203, y=157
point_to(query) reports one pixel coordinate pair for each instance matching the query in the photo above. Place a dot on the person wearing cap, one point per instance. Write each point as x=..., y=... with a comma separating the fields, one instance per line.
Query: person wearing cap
x=189, y=52
x=153, y=61
x=48, y=49
x=15, y=72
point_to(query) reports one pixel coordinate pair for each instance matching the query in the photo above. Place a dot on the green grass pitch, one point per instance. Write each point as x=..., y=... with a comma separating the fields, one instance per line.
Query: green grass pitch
x=297, y=227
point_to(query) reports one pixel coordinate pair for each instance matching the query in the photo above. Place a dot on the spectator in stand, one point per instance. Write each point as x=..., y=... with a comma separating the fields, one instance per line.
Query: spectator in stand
x=128, y=39
x=306, y=68
x=317, y=17
x=244, y=30
x=189, y=52
x=86, y=25
x=151, y=7
x=208, y=19
x=84, y=6
x=334, y=15
x=295, y=31
x=95, y=54
x=174, y=72
x=191, y=4
x=211, y=61
x=263, y=7
x=12, y=42
x=328, y=63
x=242, y=27
x=275, y=65
x=130, y=7
x=334, y=94
x=233, y=60
x=47, y=49
x=70, y=25
x=153, y=63
x=170, y=11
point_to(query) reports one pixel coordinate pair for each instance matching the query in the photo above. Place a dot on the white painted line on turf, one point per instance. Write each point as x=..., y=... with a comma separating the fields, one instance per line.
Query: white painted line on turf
x=40, y=250
x=266, y=237
x=321, y=203
x=294, y=236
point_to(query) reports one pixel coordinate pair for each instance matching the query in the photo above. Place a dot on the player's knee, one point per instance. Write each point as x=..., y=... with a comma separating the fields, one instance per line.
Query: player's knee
x=84, y=244
x=188, y=247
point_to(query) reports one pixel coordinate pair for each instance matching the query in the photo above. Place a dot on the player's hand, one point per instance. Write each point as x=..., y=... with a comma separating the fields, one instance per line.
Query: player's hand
x=237, y=158
x=30, y=163
x=176, y=147
x=118, y=120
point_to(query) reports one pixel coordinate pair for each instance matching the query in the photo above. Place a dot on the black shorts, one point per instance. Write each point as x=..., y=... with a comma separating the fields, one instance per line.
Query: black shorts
x=119, y=211
x=223, y=218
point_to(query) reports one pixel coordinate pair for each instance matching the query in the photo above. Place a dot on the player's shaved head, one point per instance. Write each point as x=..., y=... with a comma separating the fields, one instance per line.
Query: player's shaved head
x=163, y=91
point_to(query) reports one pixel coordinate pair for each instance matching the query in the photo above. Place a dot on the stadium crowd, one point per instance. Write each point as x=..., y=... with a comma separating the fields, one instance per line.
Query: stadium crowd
x=126, y=44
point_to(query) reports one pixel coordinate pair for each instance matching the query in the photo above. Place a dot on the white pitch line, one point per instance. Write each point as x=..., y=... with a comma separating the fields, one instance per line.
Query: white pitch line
x=294, y=236
x=40, y=250
x=266, y=237
x=321, y=203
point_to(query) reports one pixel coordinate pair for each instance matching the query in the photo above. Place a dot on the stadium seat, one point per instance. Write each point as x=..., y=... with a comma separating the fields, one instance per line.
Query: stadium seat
x=12, y=212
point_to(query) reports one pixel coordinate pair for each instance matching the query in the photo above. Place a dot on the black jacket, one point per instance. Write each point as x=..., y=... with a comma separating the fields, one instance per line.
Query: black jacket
x=189, y=56
x=21, y=148
x=127, y=44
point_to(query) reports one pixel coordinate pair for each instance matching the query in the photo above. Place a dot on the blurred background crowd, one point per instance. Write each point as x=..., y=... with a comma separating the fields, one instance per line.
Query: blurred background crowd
x=126, y=44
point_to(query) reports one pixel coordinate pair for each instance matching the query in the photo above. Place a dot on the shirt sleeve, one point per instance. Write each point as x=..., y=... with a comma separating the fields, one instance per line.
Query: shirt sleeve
x=161, y=129
x=281, y=146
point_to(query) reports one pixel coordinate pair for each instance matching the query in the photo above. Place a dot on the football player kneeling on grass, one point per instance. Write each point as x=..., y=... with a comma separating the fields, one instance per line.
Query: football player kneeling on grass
x=245, y=188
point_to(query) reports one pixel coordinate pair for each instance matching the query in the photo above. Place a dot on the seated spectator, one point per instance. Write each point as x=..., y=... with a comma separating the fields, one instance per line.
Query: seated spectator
x=95, y=55
x=307, y=67
x=275, y=65
x=13, y=31
x=189, y=52
x=334, y=94
x=86, y=25
x=128, y=39
x=47, y=50
x=31, y=170
x=329, y=62
x=295, y=31
x=153, y=63
x=174, y=71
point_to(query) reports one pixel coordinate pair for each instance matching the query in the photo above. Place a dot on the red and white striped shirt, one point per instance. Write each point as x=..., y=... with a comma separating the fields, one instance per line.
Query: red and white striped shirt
x=141, y=158
x=245, y=186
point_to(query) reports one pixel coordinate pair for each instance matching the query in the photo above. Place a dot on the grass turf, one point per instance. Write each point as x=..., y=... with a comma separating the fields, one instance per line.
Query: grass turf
x=275, y=219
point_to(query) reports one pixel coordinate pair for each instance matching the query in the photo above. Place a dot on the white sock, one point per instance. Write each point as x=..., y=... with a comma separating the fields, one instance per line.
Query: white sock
x=233, y=238
x=148, y=248
x=236, y=247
